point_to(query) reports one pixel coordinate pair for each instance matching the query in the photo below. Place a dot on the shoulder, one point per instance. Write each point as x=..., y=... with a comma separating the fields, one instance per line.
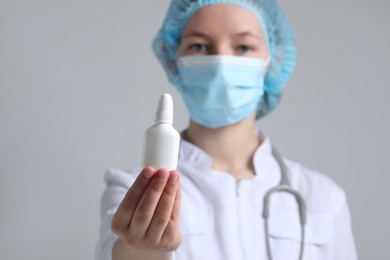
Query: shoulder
x=322, y=194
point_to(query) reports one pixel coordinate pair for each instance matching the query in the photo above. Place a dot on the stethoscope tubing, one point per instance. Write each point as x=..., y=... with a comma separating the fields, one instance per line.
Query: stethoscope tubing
x=284, y=186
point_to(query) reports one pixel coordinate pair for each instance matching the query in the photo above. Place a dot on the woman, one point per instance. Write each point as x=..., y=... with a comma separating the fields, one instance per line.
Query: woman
x=230, y=61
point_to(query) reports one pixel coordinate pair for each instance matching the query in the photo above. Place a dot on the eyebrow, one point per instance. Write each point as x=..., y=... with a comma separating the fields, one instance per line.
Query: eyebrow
x=248, y=33
x=195, y=34
x=204, y=35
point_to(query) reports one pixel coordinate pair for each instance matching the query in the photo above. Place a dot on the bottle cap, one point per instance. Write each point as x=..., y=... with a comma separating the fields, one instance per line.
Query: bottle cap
x=164, y=112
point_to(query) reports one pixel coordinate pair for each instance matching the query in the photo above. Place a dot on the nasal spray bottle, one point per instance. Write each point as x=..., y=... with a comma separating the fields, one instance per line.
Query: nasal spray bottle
x=161, y=141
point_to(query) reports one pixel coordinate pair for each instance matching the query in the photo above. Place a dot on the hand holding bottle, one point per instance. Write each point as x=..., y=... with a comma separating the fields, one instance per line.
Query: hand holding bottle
x=147, y=220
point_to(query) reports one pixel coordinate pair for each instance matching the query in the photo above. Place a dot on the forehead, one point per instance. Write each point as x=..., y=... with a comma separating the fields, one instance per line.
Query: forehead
x=224, y=18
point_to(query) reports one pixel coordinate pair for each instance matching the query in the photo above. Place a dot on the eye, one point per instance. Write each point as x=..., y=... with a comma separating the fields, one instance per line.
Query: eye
x=244, y=48
x=198, y=47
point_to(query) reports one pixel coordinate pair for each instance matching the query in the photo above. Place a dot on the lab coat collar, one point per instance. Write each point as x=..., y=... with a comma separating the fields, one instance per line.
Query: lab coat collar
x=263, y=160
x=190, y=153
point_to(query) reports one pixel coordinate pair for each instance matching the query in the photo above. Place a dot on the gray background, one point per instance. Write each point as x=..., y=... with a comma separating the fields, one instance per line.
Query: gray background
x=79, y=84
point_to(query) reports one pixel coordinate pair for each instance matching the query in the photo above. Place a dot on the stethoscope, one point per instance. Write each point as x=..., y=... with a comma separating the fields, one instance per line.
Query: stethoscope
x=284, y=186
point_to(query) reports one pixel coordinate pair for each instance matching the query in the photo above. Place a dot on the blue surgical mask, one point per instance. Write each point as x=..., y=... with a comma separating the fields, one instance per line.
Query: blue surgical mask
x=221, y=90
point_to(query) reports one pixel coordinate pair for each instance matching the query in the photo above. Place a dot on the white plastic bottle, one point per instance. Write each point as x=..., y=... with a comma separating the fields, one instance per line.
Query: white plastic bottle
x=161, y=141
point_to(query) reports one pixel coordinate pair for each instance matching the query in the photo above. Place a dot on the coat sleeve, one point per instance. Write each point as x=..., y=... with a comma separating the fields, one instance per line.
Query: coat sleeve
x=343, y=241
x=117, y=184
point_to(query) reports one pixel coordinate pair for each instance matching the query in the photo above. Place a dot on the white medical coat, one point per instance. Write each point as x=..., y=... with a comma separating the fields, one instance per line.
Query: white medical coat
x=221, y=217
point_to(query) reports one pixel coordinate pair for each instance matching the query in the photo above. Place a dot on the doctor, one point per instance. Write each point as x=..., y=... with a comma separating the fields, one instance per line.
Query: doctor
x=230, y=61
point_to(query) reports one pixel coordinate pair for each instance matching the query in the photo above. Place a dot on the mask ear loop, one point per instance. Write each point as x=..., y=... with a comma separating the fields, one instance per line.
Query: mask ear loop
x=268, y=61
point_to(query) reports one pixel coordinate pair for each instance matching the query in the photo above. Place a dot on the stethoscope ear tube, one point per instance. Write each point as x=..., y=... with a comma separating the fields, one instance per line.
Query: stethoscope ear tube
x=284, y=186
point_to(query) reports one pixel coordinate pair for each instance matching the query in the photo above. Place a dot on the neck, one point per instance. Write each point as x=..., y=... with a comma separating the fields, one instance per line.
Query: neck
x=231, y=147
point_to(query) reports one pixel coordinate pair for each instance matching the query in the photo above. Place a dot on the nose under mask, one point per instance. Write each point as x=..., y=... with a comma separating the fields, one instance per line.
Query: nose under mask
x=221, y=90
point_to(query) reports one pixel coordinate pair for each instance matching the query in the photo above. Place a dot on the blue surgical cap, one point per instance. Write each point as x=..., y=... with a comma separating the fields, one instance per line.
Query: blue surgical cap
x=275, y=25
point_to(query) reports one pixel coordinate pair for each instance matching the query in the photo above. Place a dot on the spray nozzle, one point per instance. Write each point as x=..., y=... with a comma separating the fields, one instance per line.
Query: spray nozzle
x=164, y=112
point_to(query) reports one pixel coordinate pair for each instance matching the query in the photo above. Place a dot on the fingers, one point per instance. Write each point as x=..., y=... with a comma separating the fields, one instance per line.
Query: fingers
x=127, y=207
x=172, y=232
x=176, y=206
x=148, y=215
x=145, y=210
x=162, y=214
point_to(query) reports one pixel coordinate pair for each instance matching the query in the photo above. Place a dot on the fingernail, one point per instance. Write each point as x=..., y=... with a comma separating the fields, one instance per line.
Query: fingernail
x=173, y=179
x=148, y=174
x=162, y=175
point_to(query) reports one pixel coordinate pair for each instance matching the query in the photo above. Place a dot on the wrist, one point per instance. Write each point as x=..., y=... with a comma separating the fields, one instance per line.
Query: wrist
x=122, y=250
